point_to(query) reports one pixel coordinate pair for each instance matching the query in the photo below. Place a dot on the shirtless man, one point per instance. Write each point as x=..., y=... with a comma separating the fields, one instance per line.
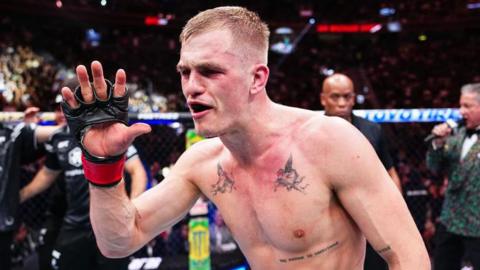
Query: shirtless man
x=297, y=189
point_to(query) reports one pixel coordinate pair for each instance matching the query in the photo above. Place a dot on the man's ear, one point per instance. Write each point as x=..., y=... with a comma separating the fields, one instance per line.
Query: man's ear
x=322, y=99
x=260, y=78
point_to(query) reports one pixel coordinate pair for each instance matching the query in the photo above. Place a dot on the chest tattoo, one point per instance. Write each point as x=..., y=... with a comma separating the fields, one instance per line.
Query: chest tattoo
x=225, y=182
x=289, y=178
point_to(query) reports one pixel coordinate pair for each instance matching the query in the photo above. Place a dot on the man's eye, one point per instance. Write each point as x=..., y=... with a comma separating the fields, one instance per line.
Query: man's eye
x=209, y=72
x=184, y=72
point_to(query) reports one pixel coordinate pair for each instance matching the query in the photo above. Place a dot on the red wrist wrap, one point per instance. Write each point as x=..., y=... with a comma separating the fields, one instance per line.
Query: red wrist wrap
x=103, y=174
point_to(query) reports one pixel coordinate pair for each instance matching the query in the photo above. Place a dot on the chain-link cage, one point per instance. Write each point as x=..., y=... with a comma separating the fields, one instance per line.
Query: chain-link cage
x=422, y=190
x=158, y=150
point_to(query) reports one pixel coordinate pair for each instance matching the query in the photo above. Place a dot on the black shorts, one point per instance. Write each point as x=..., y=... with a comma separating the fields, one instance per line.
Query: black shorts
x=78, y=250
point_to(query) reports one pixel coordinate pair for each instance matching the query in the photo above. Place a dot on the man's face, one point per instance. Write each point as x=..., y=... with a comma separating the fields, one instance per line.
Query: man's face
x=470, y=109
x=338, y=99
x=215, y=81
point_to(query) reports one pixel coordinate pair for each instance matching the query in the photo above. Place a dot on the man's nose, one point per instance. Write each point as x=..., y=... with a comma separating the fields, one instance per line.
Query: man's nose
x=192, y=85
x=342, y=101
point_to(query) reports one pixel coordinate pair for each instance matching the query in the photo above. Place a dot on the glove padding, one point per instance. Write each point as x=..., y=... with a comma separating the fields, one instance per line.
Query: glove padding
x=113, y=109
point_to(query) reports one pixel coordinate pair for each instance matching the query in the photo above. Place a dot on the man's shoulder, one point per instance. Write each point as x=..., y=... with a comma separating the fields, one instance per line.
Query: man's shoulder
x=22, y=130
x=204, y=150
x=320, y=122
x=60, y=136
x=327, y=130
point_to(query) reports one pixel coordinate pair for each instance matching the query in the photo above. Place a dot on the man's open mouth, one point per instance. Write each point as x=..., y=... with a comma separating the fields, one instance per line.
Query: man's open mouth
x=197, y=108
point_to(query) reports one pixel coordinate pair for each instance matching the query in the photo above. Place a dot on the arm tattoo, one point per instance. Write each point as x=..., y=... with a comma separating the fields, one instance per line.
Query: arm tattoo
x=383, y=250
x=310, y=255
x=224, y=184
x=289, y=178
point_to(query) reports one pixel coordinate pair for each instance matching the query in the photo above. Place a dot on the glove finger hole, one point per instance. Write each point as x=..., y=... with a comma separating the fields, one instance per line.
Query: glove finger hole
x=109, y=93
x=79, y=96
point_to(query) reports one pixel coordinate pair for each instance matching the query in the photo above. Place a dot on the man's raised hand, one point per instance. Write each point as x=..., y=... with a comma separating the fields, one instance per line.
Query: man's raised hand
x=98, y=116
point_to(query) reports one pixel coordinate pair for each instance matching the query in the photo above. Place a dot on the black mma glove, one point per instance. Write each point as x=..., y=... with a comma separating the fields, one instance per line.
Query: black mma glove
x=103, y=171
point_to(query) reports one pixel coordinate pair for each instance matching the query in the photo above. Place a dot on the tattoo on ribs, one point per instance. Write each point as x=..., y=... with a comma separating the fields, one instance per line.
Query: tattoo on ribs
x=385, y=249
x=289, y=178
x=310, y=255
x=224, y=184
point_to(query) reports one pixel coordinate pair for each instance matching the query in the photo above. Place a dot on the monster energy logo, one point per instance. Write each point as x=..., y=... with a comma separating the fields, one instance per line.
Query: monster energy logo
x=199, y=244
x=199, y=238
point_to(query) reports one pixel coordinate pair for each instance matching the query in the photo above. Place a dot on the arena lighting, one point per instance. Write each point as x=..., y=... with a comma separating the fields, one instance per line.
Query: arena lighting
x=93, y=37
x=386, y=11
x=306, y=12
x=473, y=5
x=360, y=99
x=348, y=28
x=394, y=26
x=59, y=4
x=103, y=3
x=376, y=28
x=155, y=21
x=284, y=31
x=327, y=71
x=282, y=40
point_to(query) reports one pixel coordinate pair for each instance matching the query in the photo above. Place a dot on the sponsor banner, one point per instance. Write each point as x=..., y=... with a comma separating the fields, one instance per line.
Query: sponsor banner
x=409, y=115
x=379, y=116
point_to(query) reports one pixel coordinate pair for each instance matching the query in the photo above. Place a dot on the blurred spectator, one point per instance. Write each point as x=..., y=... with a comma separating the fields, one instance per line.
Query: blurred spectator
x=18, y=145
x=221, y=240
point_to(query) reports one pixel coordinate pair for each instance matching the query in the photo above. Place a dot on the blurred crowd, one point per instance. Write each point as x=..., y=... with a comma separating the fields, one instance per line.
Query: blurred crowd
x=392, y=70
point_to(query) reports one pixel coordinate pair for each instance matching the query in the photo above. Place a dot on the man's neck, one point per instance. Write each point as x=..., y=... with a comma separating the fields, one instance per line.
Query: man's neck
x=348, y=118
x=253, y=139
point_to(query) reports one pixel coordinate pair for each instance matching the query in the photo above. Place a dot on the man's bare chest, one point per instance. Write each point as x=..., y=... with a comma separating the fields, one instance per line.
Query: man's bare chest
x=279, y=204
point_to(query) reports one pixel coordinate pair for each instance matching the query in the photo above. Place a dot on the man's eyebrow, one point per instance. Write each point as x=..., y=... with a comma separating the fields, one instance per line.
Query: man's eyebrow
x=209, y=66
x=201, y=66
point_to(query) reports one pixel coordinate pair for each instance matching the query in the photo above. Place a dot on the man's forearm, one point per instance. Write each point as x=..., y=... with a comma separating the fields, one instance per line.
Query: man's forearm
x=113, y=220
x=42, y=180
x=415, y=257
x=412, y=264
x=43, y=133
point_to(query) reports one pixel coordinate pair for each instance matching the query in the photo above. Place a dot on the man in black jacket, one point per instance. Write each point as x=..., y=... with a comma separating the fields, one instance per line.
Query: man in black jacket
x=18, y=145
